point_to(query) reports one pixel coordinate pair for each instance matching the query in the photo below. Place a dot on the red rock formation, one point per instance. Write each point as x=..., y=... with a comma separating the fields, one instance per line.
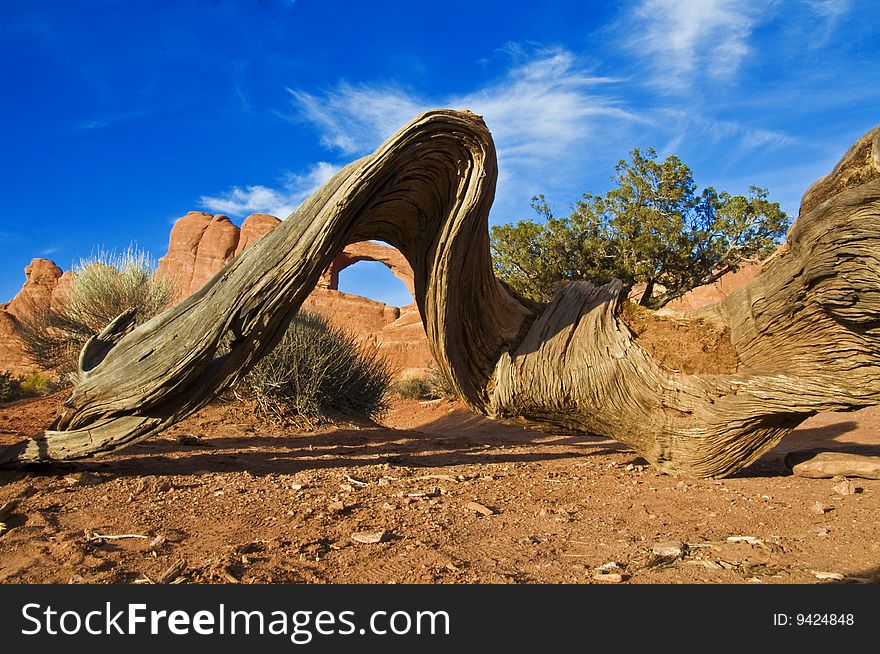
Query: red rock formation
x=200, y=244
x=13, y=358
x=44, y=285
x=711, y=293
x=41, y=280
x=254, y=228
x=368, y=251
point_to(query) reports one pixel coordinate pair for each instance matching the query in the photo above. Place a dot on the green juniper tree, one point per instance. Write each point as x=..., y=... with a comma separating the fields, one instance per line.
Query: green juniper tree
x=652, y=228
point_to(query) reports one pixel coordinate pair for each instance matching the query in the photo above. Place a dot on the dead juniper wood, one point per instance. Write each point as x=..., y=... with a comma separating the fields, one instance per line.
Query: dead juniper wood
x=803, y=336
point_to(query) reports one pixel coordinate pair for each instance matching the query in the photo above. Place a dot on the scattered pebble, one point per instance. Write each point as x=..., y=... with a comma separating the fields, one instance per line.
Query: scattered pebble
x=836, y=576
x=479, y=508
x=369, y=537
x=821, y=532
x=844, y=487
x=670, y=549
x=611, y=566
x=609, y=577
x=82, y=479
x=157, y=542
x=751, y=540
x=705, y=563
x=431, y=492
x=820, y=508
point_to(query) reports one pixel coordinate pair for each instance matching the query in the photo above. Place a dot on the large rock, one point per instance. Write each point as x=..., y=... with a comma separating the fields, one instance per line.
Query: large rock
x=41, y=280
x=13, y=358
x=255, y=227
x=199, y=246
x=827, y=465
x=43, y=288
x=711, y=293
x=369, y=251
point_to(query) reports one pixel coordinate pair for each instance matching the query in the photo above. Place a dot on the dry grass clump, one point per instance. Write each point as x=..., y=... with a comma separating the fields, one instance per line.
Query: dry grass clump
x=317, y=373
x=33, y=384
x=103, y=286
x=411, y=385
x=439, y=385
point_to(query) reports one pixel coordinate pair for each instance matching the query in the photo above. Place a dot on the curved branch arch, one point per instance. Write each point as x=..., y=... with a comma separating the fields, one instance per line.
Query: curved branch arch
x=805, y=331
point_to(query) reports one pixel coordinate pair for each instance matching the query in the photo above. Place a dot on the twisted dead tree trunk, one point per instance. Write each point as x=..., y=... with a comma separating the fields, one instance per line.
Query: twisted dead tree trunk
x=805, y=332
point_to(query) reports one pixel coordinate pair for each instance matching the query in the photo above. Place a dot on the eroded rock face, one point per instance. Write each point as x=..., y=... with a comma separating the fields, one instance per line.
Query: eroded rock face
x=41, y=280
x=711, y=293
x=199, y=246
x=44, y=286
x=368, y=251
x=13, y=358
x=255, y=227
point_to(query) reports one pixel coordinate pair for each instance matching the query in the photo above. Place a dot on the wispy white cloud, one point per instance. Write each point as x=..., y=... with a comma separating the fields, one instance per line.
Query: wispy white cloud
x=681, y=41
x=355, y=118
x=740, y=137
x=110, y=119
x=547, y=112
x=830, y=8
x=244, y=200
x=829, y=14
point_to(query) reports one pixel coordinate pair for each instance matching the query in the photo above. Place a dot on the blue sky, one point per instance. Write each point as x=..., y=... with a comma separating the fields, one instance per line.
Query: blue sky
x=120, y=116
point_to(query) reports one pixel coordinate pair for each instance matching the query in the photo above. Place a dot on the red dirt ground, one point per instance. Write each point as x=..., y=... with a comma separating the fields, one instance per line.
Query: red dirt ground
x=227, y=498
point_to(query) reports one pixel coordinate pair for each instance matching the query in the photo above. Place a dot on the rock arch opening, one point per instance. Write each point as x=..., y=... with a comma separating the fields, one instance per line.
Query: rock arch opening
x=382, y=273
x=374, y=280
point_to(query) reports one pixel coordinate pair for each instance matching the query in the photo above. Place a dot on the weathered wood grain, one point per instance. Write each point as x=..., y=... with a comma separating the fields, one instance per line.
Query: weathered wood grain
x=805, y=332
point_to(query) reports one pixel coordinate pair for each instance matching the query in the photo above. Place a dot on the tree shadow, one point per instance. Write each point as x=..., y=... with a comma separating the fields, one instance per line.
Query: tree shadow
x=810, y=439
x=456, y=439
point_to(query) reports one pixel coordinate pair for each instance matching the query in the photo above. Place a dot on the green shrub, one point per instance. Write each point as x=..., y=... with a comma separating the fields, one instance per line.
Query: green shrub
x=14, y=388
x=316, y=373
x=102, y=287
x=34, y=384
x=10, y=387
x=439, y=385
x=411, y=385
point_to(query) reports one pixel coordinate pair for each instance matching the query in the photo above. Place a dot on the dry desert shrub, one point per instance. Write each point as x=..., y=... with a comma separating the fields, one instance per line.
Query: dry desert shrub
x=439, y=385
x=102, y=287
x=411, y=385
x=318, y=372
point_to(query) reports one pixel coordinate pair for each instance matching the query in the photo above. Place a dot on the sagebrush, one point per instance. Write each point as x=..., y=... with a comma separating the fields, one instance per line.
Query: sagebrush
x=317, y=373
x=10, y=387
x=14, y=387
x=102, y=287
x=439, y=385
x=411, y=385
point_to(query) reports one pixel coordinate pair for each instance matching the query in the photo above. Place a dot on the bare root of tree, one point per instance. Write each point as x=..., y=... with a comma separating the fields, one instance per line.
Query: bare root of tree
x=805, y=332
